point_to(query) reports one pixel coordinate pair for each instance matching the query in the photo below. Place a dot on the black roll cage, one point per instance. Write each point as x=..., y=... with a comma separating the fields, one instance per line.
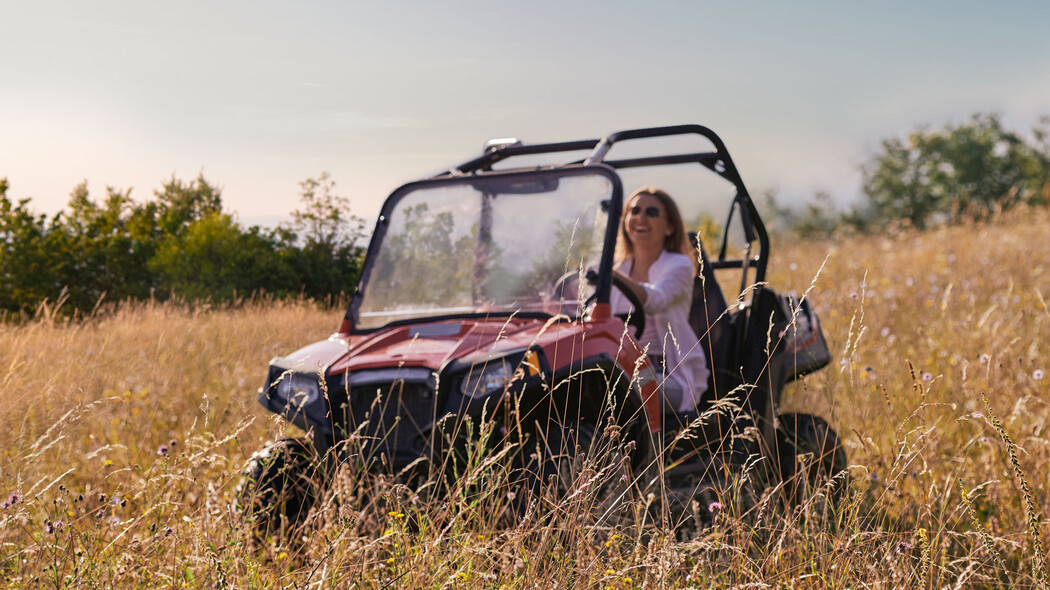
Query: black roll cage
x=717, y=161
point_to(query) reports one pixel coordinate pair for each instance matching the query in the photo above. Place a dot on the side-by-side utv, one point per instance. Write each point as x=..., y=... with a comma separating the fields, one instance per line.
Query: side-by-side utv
x=485, y=298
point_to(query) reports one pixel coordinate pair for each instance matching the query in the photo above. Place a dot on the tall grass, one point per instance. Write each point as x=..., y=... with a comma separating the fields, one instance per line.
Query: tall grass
x=121, y=437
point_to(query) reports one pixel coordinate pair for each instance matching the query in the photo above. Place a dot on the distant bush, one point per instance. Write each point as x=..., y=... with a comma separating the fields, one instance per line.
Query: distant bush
x=960, y=172
x=181, y=243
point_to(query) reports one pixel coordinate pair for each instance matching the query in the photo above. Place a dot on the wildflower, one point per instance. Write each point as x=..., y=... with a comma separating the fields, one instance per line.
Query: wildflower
x=511, y=496
x=168, y=531
x=631, y=445
x=1037, y=374
x=610, y=572
x=623, y=478
x=714, y=507
x=927, y=377
x=977, y=415
x=390, y=561
x=5, y=505
x=985, y=358
x=13, y=499
x=628, y=580
x=162, y=450
x=396, y=515
x=884, y=332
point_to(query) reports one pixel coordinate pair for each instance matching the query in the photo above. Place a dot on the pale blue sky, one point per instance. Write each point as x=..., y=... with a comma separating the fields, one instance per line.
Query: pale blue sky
x=261, y=95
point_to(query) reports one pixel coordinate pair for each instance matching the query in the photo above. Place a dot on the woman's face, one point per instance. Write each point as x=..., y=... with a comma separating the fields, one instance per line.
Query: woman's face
x=646, y=222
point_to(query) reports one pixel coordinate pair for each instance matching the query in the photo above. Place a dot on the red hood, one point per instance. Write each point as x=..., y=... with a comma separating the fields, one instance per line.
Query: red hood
x=428, y=345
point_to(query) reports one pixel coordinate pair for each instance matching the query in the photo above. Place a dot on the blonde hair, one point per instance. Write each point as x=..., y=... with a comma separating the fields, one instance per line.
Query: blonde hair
x=678, y=241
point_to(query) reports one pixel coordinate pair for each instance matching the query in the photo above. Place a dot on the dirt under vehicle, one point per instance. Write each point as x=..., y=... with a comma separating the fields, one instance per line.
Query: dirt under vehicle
x=485, y=297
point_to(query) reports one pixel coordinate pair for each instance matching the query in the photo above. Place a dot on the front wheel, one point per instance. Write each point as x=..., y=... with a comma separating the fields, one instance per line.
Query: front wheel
x=279, y=485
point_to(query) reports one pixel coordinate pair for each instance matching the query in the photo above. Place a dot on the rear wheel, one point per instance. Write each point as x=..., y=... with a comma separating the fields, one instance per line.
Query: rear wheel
x=812, y=460
x=279, y=485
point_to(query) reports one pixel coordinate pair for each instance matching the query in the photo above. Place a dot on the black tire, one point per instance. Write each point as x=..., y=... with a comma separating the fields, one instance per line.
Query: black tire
x=279, y=485
x=812, y=460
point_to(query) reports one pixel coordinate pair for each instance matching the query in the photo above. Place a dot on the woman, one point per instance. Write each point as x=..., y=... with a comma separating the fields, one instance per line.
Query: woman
x=657, y=262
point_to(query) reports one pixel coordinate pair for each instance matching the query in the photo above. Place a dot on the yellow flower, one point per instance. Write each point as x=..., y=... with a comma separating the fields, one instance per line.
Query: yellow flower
x=610, y=572
x=396, y=515
x=390, y=561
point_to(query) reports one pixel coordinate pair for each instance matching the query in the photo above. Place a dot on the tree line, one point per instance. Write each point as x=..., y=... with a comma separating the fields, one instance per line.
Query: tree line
x=181, y=244
x=959, y=172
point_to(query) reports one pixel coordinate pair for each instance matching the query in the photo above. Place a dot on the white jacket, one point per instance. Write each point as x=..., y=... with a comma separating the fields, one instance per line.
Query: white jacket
x=669, y=294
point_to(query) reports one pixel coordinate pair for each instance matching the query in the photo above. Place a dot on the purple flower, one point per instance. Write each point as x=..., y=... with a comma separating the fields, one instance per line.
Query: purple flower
x=714, y=507
x=631, y=445
x=162, y=450
x=5, y=505
x=985, y=358
x=1037, y=374
x=13, y=498
x=511, y=496
x=927, y=377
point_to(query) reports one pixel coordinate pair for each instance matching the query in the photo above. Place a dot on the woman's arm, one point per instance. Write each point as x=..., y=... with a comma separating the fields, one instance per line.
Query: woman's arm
x=670, y=280
x=635, y=286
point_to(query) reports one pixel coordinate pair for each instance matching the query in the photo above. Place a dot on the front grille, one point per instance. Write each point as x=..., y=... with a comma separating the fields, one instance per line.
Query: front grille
x=390, y=420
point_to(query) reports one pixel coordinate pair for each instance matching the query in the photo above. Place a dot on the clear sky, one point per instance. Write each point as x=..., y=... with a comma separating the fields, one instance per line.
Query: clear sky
x=260, y=95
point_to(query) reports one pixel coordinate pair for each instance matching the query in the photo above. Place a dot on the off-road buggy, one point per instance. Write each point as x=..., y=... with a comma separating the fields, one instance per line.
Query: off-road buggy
x=484, y=299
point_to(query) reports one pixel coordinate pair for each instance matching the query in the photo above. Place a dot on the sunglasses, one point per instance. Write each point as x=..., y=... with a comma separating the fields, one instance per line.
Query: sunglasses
x=651, y=212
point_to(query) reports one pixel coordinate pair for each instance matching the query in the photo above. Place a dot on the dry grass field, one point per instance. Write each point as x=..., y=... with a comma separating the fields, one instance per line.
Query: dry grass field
x=121, y=437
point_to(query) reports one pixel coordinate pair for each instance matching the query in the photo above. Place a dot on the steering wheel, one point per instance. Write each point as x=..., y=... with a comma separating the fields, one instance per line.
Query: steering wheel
x=635, y=318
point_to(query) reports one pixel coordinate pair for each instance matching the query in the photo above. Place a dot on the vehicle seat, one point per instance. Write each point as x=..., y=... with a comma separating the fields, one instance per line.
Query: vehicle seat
x=707, y=314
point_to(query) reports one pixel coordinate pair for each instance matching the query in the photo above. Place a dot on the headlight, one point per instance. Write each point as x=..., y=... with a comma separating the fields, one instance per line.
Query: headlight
x=297, y=390
x=485, y=379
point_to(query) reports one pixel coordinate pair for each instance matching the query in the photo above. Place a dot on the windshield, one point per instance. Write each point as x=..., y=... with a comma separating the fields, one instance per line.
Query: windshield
x=494, y=244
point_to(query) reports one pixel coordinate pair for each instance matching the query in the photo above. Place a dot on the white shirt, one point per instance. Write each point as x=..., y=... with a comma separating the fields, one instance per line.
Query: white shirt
x=669, y=295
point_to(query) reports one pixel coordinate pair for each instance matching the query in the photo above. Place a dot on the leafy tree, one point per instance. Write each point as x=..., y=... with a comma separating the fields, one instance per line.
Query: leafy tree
x=29, y=268
x=180, y=204
x=215, y=260
x=109, y=247
x=969, y=170
x=322, y=240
